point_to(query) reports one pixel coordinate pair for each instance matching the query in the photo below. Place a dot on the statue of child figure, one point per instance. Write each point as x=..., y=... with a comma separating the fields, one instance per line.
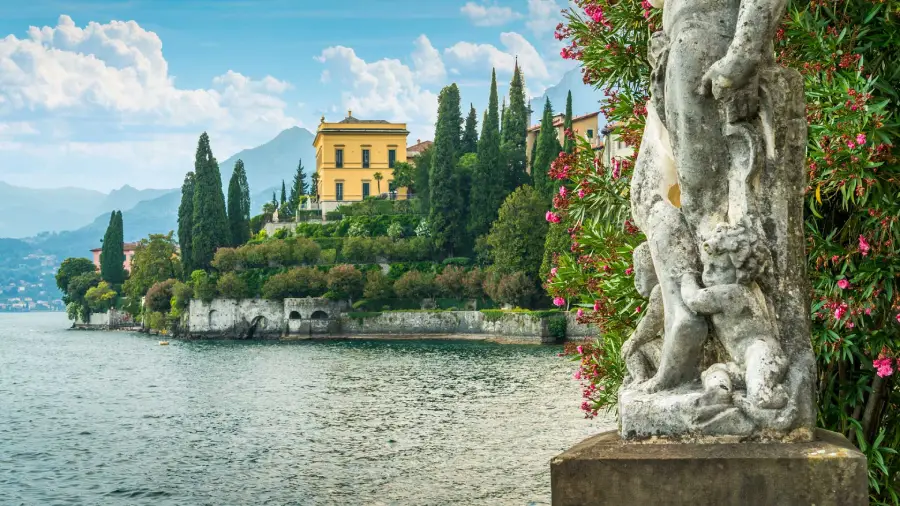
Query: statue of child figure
x=733, y=259
x=641, y=351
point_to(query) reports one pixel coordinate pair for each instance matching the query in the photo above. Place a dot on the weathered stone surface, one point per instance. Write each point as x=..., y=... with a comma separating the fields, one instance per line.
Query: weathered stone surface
x=724, y=349
x=605, y=470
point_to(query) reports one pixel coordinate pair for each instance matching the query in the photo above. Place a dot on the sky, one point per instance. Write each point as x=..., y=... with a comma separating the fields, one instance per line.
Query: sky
x=101, y=93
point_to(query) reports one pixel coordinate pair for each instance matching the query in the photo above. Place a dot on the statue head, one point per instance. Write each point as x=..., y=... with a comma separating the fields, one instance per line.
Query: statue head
x=734, y=254
x=644, y=270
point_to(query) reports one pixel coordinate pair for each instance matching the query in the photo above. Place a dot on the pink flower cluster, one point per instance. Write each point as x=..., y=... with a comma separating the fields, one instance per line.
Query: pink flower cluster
x=843, y=284
x=552, y=217
x=559, y=301
x=864, y=246
x=595, y=12
x=884, y=367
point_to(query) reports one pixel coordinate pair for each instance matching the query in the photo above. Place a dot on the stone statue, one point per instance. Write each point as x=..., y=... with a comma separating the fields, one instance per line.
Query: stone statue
x=275, y=216
x=723, y=350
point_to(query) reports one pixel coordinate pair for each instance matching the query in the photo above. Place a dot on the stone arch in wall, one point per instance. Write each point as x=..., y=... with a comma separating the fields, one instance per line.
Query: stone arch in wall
x=295, y=315
x=319, y=315
x=211, y=319
x=257, y=323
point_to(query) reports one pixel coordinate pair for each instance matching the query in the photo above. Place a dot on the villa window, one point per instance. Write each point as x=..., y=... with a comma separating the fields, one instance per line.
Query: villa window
x=365, y=158
x=338, y=191
x=392, y=158
x=590, y=134
x=365, y=188
x=339, y=158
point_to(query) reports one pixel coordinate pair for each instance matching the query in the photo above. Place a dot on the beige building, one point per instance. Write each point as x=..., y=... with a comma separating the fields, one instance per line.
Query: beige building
x=587, y=125
x=613, y=147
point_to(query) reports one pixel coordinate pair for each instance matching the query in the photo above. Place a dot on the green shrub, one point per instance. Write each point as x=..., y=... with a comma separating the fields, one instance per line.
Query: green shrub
x=157, y=321
x=378, y=286
x=305, y=251
x=473, y=284
x=358, y=230
x=415, y=285
x=226, y=260
x=460, y=261
x=296, y=282
x=556, y=327
x=328, y=256
x=345, y=282
x=392, y=304
x=204, y=286
x=451, y=282
x=159, y=296
x=231, y=286
x=395, y=231
x=309, y=214
x=362, y=315
x=182, y=293
x=281, y=233
x=333, y=216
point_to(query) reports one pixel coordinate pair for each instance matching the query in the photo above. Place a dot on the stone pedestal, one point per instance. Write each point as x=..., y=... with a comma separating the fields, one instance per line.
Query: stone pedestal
x=604, y=470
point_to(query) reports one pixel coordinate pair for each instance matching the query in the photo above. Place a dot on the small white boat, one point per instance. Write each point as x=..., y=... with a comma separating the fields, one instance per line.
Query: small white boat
x=164, y=343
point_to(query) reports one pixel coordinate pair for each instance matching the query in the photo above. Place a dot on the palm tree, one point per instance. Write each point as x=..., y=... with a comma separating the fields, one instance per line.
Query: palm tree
x=378, y=177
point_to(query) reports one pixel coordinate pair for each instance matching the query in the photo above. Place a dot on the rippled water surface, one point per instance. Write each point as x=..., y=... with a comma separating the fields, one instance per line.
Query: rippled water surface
x=114, y=418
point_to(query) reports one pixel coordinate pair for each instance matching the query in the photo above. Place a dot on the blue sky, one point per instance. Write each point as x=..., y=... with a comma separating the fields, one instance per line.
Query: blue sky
x=98, y=94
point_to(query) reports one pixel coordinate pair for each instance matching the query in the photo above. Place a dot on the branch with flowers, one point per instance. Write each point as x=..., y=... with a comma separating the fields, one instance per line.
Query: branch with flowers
x=847, y=52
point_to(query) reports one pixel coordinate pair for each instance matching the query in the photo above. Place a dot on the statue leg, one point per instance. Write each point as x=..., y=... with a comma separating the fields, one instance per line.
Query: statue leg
x=766, y=367
x=696, y=130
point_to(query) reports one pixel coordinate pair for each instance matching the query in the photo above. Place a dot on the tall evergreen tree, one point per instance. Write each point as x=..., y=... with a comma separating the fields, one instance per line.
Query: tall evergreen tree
x=299, y=187
x=515, y=132
x=547, y=150
x=487, y=189
x=314, y=187
x=185, y=224
x=112, y=254
x=210, y=222
x=470, y=135
x=569, y=142
x=502, y=119
x=445, y=214
x=282, y=203
x=239, y=205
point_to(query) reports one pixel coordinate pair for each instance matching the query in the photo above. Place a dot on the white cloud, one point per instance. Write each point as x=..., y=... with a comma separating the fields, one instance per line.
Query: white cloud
x=16, y=128
x=119, y=68
x=388, y=89
x=485, y=56
x=427, y=61
x=543, y=16
x=488, y=15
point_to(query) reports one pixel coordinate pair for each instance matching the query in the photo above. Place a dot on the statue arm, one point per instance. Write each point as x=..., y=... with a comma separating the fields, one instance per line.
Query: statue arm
x=712, y=300
x=756, y=20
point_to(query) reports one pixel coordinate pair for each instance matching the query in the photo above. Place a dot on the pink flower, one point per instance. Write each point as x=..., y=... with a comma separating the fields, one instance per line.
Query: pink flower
x=552, y=217
x=861, y=139
x=850, y=144
x=628, y=271
x=637, y=309
x=840, y=311
x=579, y=313
x=580, y=349
x=868, y=311
x=553, y=271
x=863, y=246
x=835, y=258
x=562, y=191
x=581, y=194
x=559, y=301
x=884, y=367
x=597, y=308
x=850, y=325
x=577, y=375
x=898, y=317
x=844, y=284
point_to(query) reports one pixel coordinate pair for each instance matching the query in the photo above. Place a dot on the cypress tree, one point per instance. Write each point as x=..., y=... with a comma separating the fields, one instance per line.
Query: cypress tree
x=569, y=144
x=445, y=205
x=239, y=205
x=112, y=254
x=314, y=187
x=487, y=191
x=283, y=201
x=470, y=135
x=547, y=150
x=502, y=120
x=274, y=200
x=210, y=222
x=515, y=132
x=185, y=224
x=299, y=187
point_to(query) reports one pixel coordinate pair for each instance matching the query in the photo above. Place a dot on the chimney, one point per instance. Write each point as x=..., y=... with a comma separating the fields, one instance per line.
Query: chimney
x=349, y=113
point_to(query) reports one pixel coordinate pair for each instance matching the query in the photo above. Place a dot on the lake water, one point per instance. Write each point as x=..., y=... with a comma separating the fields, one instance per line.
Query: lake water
x=114, y=418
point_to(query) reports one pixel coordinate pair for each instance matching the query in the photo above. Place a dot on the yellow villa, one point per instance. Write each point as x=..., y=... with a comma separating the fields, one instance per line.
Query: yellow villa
x=587, y=125
x=351, y=153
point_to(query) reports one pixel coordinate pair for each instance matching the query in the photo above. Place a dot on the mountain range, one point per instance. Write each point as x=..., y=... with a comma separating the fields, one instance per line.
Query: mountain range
x=585, y=98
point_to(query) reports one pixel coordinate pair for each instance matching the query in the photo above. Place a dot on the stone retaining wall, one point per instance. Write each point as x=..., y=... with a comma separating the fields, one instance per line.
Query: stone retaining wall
x=231, y=319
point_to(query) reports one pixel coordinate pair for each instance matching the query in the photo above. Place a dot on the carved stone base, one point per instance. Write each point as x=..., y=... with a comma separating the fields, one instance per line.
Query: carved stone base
x=604, y=470
x=681, y=415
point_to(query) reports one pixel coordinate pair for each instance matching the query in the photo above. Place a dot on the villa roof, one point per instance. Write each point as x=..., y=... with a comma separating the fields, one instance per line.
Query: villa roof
x=128, y=246
x=559, y=119
x=418, y=147
x=351, y=119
